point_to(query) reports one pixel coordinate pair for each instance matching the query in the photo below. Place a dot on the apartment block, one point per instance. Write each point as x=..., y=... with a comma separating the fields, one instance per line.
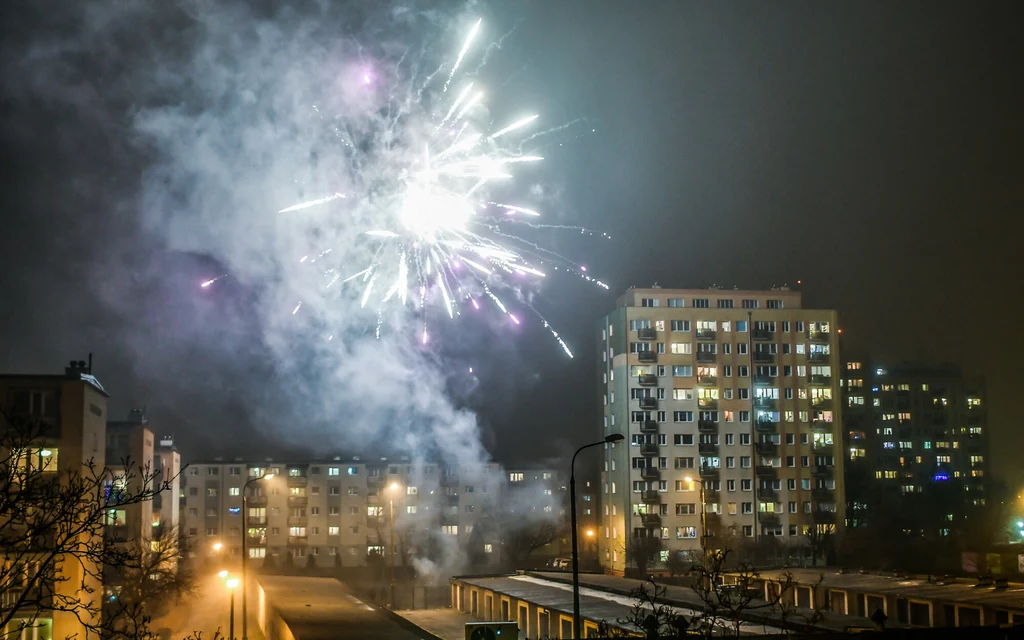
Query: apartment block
x=73, y=408
x=336, y=512
x=911, y=427
x=729, y=406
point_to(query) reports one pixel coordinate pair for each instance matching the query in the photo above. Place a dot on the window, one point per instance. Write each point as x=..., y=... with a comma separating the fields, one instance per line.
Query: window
x=450, y=529
x=775, y=304
x=700, y=303
x=725, y=304
x=681, y=348
x=211, y=492
x=648, y=302
x=750, y=304
x=683, y=439
x=515, y=477
x=682, y=371
x=333, y=471
x=676, y=303
x=682, y=394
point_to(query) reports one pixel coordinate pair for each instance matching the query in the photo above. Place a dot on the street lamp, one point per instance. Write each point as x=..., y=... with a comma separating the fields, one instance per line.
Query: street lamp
x=245, y=553
x=232, y=585
x=392, y=489
x=613, y=438
x=222, y=574
x=217, y=546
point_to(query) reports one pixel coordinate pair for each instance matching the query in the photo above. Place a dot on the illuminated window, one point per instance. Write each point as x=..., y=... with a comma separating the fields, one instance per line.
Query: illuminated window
x=855, y=383
x=515, y=477
x=924, y=387
x=903, y=417
x=852, y=366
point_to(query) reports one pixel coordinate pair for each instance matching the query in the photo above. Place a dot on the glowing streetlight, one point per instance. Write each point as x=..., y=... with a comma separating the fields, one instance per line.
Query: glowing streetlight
x=393, y=490
x=703, y=524
x=217, y=546
x=222, y=574
x=232, y=584
x=245, y=552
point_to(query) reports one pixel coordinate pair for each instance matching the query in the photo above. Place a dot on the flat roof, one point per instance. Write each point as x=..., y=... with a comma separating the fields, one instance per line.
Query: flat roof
x=963, y=591
x=87, y=378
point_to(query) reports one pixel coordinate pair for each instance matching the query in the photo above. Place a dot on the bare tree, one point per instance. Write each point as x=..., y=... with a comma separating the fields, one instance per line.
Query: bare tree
x=54, y=525
x=649, y=615
x=819, y=539
x=520, y=538
x=643, y=551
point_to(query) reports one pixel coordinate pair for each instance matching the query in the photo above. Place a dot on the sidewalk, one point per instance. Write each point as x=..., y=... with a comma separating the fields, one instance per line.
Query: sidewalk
x=446, y=623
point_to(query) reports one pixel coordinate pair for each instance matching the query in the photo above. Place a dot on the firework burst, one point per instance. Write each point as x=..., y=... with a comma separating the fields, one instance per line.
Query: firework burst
x=438, y=238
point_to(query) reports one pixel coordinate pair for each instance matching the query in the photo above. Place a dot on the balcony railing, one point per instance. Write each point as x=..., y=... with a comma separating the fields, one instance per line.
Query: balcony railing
x=652, y=496
x=256, y=501
x=711, y=496
x=711, y=404
x=821, y=403
x=822, y=493
x=297, y=521
x=817, y=356
x=708, y=472
x=649, y=426
x=297, y=541
x=649, y=449
x=647, y=356
x=765, y=470
x=824, y=448
x=769, y=519
x=707, y=449
x=375, y=522
x=821, y=470
x=825, y=517
x=706, y=356
x=763, y=379
x=764, y=357
x=297, y=481
x=766, y=448
x=650, y=473
x=449, y=480
x=648, y=380
x=819, y=380
x=769, y=404
x=648, y=403
x=298, y=501
x=708, y=380
x=707, y=426
x=763, y=335
x=647, y=334
x=650, y=519
x=256, y=522
x=765, y=493
x=376, y=480
x=706, y=334
x=818, y=336
x=821, y=425
x=766, y=426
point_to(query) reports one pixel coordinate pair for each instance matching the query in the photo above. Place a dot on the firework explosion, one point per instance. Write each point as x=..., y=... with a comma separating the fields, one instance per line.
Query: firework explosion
x=435, y=237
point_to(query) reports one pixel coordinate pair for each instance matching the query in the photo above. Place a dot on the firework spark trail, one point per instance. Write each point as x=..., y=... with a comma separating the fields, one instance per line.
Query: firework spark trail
x=425, y=229
x=209, y=282
x=462, y=54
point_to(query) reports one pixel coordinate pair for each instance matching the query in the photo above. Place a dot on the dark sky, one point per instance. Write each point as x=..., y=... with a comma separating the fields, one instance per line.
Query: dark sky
x=870, y=150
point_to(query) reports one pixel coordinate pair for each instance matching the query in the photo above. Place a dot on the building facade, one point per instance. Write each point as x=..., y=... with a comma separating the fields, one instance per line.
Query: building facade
x=911, y=428
x=72, y=409
x=729, y=406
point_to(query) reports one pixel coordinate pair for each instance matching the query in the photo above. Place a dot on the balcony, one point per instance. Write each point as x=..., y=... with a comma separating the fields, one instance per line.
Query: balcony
x=765, y=471
x=256, y=522
x=648, y=380
x=768, y=404
x=297, y=501
x=652, y=496
x=706, y=356
x=706, y=334
x=823, y=448
x=821, y=470
x=821, y=425
x=297, y=541
x=375, y=522
x=763, y=335
x=449, y=480
x=819, y=380
x=765, y=493
x=711, y=497
x=647, y=356
x=766, y=426
x=256, y=501
x=707, y=449
x=818, y=336
x=706, y=426
x=708, y=472
x=763, y=379
x=649, y=426
x=297, y=521
x=825, y=517
x=648, y=403
x=297, y=481
x=646, y=334
x=650, y=519
x=825, y=404
x=817, y=356
x=376, y=480
x=763, y=357
x=650, y=473
x=822, y=493
x=707, y=380
x=766, y=448
x=710, y=404
x=769, y=519
x=649, y=449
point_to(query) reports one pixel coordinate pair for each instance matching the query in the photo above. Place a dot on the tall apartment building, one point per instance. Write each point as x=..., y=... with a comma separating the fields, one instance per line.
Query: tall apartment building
x=336, y=512
x=726, y=390
x=911, y=427
x=74, y=408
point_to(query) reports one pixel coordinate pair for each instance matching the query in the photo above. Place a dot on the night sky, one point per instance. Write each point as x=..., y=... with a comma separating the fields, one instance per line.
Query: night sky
x=870, y=150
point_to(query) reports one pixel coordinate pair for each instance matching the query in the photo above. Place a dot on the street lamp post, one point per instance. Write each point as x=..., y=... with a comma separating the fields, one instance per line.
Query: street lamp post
x=703, y=525
x=245, y=553
x=232, y=584
x=391, y=503
x=576, y=626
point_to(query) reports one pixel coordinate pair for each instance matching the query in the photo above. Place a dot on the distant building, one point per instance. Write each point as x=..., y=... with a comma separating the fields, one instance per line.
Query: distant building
x=911, y=427
x=74, y=406
x=733, y=390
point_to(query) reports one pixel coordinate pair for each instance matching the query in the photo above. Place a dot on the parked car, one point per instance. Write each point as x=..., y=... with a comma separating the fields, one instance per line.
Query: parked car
x=560, y=563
